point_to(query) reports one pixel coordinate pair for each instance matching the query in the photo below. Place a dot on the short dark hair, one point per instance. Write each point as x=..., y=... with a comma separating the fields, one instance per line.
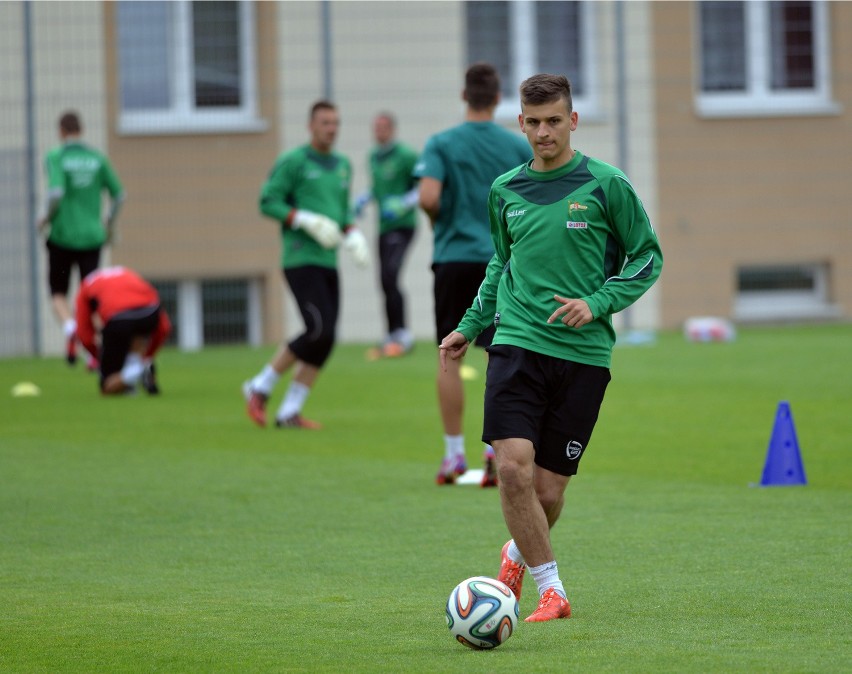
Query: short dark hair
x=322, y=105
x=544, y=88
x=388, y=116
x=481, y=86
x=69, y=123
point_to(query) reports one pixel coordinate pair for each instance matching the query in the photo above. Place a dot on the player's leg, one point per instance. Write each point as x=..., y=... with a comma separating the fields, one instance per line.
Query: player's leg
x=317, y=291
x=116, y=338
x=257, y=390
x=158, y=338
x=393, y=246
x=124, y=341
x=450, y=304
x=60, y=261
x=577, y=392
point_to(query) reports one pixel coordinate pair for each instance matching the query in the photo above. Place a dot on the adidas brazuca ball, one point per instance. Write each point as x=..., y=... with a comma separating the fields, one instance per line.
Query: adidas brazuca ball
x=482, y=612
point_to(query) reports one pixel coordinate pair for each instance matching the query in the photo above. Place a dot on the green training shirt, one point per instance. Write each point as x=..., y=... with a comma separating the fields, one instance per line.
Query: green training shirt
x=466, y=159
x=391, y=168
x=304, y=179
x=579, y=231
x=80, y=174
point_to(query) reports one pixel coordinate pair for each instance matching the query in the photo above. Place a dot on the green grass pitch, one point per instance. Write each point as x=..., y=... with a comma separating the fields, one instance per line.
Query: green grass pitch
x=169, y=534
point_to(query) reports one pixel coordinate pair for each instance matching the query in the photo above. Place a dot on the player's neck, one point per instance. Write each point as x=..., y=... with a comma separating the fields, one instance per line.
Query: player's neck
x=486, y=115
x=544, y=165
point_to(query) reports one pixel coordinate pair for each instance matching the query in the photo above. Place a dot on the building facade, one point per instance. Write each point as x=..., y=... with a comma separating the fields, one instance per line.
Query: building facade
x=731, y=119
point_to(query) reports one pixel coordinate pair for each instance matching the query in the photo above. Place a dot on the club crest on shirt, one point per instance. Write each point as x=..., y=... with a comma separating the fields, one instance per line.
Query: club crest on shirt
x=576, y=206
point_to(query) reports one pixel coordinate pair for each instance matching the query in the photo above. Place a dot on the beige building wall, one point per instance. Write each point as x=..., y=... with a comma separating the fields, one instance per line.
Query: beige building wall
x=747, y=191
x=192, y=207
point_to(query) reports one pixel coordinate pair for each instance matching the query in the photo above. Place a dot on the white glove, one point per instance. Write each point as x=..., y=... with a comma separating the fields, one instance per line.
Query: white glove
x=356, y=243
x=324, y=230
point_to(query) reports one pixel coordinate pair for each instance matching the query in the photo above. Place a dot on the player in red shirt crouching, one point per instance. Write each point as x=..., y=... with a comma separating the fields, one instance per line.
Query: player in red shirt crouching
x=120, y=322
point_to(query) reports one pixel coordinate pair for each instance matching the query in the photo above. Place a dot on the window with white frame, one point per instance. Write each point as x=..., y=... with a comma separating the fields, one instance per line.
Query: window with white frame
x=763, y=58
x=784, y=292
x=521, y=38
x=186, y=67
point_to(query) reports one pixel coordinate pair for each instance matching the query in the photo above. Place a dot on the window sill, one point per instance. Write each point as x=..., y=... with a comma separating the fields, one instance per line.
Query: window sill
x=730, y=107
x=771, y=311
x=149, y=125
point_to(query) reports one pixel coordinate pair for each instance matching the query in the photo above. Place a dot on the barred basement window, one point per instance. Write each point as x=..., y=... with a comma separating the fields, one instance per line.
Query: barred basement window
x=225, y=311
x=784, y=292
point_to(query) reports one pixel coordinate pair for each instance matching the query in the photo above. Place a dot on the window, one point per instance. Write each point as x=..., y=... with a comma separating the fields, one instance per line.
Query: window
x=763, y=58
x=521, y=38
x=784, y=292
x=186, y=66
x=225, y=308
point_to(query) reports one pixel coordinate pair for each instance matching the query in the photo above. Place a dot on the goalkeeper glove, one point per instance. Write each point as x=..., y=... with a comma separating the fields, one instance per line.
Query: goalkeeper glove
x=361, y=203
x=321, y=228
x=395, y=207
x=356, y=243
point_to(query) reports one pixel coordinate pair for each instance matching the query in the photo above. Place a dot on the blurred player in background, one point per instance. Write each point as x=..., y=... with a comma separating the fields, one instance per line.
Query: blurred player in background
x=393, y=189
x=120, y=322
x=456, y=170
x=77, y=176
x=307, y=192
x=573, y=246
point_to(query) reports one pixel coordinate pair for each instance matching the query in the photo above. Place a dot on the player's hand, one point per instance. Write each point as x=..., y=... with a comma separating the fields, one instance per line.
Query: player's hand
x=573, y=313
x=394, y=208
x=324, y=230
x=356, y=243
x=111, y=234
x=453, y=346
x=361, y=203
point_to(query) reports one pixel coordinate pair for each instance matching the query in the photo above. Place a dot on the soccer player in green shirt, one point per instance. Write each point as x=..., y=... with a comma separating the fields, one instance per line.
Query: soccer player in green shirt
x=77, y=176
x=393, y=188
x=573, y=245
x=307, y=192
x=456, y=169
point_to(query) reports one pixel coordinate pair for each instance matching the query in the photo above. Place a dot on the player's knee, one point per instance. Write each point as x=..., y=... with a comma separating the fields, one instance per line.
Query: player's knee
x=513, y=474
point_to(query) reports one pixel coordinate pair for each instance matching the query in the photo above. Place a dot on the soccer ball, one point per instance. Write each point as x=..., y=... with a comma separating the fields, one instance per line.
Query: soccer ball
x=482, y=612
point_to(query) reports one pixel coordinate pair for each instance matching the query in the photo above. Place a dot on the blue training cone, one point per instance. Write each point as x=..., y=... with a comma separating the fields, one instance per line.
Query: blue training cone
x=783, y=460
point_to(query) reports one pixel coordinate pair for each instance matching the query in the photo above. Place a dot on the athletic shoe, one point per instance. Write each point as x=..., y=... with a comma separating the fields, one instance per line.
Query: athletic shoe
x=92, y=364
x=71, y=350
x=511, y=573
x=255, y=404
x=393, y=350
x=551, y=606
x=461, y=465
x=298, y=421
x=149, y=380
x=447, y=474
x=489, y=475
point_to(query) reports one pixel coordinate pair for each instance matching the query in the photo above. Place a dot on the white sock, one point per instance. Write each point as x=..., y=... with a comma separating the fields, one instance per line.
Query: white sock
x=404, y=337
x=453, y=446
x=69, y=327
x=547, y=576
x=489, y=451
x=132, y=369
x=266, y=380
x=294, y=401
x=513, y=553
